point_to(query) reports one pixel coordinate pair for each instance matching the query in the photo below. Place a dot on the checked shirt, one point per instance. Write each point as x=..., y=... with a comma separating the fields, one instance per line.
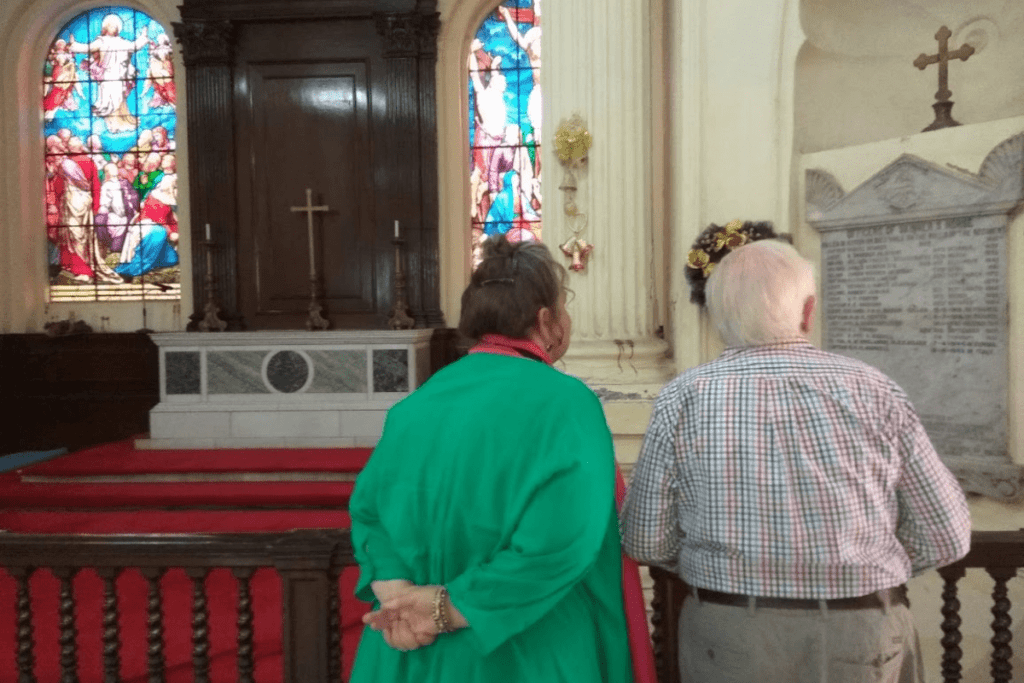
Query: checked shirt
x=786, y=471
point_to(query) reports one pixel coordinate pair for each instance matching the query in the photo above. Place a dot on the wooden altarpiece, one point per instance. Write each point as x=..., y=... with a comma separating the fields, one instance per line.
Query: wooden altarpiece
x=333, y=95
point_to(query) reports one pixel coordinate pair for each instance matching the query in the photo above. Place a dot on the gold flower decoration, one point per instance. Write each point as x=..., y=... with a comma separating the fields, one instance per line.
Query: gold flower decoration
x=730, y=237
x=707, y=270
x=572, y=141
x=698, y=259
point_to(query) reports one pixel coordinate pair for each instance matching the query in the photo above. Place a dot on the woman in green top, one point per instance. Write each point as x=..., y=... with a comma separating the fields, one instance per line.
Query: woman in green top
x=484, y=523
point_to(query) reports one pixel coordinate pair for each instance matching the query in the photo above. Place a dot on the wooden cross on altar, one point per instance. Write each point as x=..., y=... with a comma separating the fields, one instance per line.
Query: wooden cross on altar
x=315, y=321
x=943, y=107
x=310, y=209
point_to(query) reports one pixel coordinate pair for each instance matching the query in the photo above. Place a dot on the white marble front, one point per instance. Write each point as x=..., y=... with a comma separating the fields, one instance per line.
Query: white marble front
x=279, y=389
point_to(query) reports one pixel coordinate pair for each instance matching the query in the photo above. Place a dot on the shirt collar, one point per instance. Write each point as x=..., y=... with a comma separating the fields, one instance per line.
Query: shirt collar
x=508, y=346
x=797, y=342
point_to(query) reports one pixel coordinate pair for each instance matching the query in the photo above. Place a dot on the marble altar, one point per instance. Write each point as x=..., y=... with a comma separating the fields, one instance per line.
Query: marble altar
x=281, y=389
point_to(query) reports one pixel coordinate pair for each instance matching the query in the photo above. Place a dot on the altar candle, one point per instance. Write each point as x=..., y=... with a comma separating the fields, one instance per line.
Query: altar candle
x=396, y=230
x=207, y=232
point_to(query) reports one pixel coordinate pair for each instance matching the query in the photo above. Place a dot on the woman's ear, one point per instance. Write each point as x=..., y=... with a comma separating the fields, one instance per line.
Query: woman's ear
x=542, y=332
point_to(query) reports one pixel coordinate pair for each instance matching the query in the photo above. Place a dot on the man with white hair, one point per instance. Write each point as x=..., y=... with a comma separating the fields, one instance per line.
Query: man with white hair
x=794, y=490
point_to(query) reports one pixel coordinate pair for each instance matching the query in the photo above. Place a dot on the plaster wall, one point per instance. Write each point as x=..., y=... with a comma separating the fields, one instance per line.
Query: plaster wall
x=856, y=81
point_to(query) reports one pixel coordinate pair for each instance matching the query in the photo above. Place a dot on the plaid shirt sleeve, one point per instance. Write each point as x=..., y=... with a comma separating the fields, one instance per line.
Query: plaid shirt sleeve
x=650, y=531
x=933, y=523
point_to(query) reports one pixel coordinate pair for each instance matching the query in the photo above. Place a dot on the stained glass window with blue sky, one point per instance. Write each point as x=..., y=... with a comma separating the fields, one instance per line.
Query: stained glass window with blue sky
x=505, y=123
x=110, y=126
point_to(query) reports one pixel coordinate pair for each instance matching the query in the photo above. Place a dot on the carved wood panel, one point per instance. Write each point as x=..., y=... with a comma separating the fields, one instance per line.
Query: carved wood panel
x=333, y=96
x=324, y=106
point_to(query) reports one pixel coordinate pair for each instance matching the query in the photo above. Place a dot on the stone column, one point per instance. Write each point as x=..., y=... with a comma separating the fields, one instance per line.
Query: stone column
x=731, y=128
x=599, y=59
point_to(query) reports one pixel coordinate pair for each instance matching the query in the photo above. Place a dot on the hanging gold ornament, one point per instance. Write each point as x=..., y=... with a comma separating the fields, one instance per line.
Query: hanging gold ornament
x=572, y=141
x=572, y=144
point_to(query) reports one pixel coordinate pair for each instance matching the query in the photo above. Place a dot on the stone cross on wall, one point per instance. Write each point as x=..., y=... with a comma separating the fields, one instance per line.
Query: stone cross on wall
x=943, y=107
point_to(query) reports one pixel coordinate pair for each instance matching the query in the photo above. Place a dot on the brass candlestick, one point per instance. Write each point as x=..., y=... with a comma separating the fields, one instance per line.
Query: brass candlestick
x=315, y=321
x=211, y=321
x=400, y=318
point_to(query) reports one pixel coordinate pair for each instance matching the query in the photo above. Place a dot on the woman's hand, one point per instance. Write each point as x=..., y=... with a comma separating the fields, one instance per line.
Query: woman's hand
x=407, y=619
x=416, y=607
x=387, y=590
x=397, y=633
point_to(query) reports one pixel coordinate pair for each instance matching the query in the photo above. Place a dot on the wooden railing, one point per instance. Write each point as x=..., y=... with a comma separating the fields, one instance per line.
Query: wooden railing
x=1000, y=553
x=308, y=562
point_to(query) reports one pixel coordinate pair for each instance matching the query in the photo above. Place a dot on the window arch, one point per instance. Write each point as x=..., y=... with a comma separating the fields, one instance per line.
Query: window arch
x=505, y=123
x=110, y=128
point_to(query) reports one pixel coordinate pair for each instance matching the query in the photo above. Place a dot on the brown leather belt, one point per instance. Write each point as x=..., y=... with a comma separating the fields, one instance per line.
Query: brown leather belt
x=877, y=600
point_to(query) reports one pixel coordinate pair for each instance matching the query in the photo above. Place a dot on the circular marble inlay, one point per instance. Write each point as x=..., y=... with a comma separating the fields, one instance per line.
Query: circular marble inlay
x=287, y=371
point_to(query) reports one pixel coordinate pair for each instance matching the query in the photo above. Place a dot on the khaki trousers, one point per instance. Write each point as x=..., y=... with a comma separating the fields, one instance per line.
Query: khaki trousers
x=726, y=644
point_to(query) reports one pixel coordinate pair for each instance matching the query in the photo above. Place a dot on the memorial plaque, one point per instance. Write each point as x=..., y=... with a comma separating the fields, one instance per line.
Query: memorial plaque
x=925, y=302
x=913, y=282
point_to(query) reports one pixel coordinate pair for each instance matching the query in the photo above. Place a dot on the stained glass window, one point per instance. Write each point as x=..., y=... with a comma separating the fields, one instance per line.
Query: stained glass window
x=505, y=123
x=111, y=177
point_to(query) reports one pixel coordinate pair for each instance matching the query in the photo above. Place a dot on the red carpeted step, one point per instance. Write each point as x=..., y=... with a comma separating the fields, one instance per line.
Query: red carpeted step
x=168, y=522
x=29, y=495
x=123, y=458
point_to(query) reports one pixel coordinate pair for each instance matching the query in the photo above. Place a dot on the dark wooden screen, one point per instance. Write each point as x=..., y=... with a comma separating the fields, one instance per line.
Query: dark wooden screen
x=332, y=95
x=75, y=391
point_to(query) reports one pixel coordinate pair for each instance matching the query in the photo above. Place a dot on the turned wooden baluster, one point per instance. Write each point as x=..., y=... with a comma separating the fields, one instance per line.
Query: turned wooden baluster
x=1002, y=670
x=245, y=617
x=334, y=626
x=658, y=631
x=951, y=652
x=68, y=632
x=200, y=625
x=669, y=592
x=111, y=625
x=25, y=655
x=154, y=625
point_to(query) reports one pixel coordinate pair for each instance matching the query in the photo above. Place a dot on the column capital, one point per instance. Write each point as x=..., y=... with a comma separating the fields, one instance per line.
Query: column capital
x=408, y=35
x=206, y=43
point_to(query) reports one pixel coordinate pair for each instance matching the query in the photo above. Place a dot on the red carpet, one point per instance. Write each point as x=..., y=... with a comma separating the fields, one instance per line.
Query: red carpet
x=273, y=495
x=75, y=507
x=123, y=458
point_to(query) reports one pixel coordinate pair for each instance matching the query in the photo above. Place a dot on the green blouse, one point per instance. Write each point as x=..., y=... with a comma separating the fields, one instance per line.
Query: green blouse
x=496, y=478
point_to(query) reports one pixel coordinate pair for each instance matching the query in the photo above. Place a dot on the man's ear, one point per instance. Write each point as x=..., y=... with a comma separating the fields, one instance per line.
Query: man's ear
x=807, y=318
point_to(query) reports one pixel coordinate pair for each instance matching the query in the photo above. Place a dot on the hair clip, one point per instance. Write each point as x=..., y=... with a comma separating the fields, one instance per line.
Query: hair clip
x=506, y=280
